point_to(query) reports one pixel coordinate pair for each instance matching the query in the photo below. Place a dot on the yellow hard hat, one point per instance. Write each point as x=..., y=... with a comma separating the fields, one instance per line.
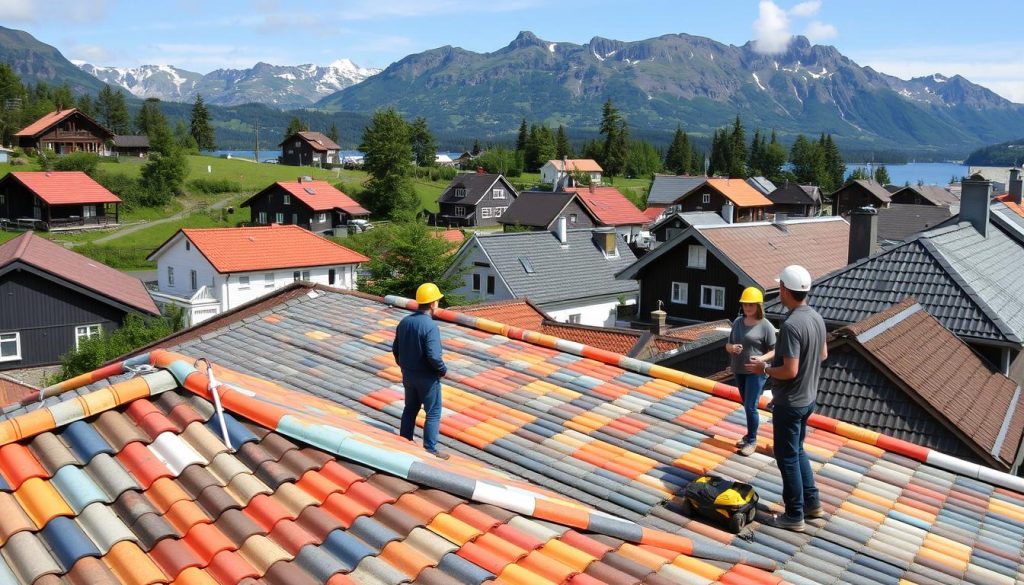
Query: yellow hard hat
x=752, y=294
x=428, y=293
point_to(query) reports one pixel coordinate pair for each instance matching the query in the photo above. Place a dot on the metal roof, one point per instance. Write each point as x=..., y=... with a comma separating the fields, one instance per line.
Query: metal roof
x=667, y=189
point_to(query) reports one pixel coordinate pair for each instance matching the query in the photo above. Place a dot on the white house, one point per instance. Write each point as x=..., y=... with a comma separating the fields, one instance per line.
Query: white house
x=554, y=172
x=209, y=271
x=569, y=274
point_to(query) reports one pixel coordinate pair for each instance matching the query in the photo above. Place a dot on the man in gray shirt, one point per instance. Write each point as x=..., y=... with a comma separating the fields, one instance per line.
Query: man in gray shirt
x=795, y=370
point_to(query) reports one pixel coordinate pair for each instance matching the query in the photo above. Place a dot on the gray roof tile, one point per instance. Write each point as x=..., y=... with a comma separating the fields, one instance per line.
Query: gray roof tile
x=667, y=189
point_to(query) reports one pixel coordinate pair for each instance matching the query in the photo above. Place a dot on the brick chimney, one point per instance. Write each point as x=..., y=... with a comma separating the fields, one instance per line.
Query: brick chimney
x=863, y=234
x=1015, y=186
x=659, y=321
x=975, y=200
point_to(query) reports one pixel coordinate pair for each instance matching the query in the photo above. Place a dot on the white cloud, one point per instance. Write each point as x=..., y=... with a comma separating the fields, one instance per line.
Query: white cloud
x=805, y=9
x=771, y=29
x=94, y=54
x=818, y=31
x=33, y=10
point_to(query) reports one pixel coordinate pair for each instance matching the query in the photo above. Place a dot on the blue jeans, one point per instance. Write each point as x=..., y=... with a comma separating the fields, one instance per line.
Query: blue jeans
x=790, y=430
x=425, y=392
x=751, y=386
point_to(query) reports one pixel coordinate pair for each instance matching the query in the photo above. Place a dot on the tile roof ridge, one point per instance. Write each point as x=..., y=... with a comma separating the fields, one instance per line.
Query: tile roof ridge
x=23, y=245
x=721, y=390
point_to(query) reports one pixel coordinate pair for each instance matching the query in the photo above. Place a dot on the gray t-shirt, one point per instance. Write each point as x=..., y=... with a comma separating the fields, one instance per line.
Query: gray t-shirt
x=801, y=336
x=757, y=339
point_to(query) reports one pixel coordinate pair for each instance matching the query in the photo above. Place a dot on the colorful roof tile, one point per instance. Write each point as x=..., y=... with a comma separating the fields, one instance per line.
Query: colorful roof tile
x=514, y=312
x=75, y=269
x=247, y=249
x=63, y=187
x=609, y=205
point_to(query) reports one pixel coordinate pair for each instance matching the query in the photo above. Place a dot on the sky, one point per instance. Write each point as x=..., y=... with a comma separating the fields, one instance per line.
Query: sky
x=980, y=40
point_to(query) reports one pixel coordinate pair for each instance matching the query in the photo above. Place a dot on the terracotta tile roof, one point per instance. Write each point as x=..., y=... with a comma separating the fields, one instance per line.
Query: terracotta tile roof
x=78, y=270
x=12, y=390
x=246, y=249
x=585, y=165
x=739, y=192
x=454, y=236
x=63, y=187
x=317, y=140
x=515, y=313
x=609, y=206
x=317, y=195
x=761, y=249
x=49, y=120
x=938, y=368
x=615, y=340
x=652, y=213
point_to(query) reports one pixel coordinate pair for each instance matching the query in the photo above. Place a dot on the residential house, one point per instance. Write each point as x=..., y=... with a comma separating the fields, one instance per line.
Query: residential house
x=699, y=274
x=568, y=273
x=209, y=271
x=859, y=193
x=559, y=173
x=795, y=200
x=965, y=272
x=611, y=209
x=316, y=206
x=873, y=378
x=762, y=184
x=309, y=149
x=667, y=189
x=55, y=200
x=53, y=299
x=675, y=223
x=734, y=199
x=475, y=200
x=64, y=131
x=900, y=221
x=540, y=211
x=612, y=440
x=926, y=195
x=134, y=146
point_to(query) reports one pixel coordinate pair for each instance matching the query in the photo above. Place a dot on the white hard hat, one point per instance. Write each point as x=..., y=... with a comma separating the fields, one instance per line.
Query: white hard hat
x=795, y=278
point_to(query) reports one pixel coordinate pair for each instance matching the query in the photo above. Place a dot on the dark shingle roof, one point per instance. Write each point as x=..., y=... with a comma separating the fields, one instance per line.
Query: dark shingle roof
x=477, y=185
x=131, y=141
x=667, y=189
x=317, y=140
x=537, y=208
x=873, y=188
x=900, y=221
x=792, y=194
x=933, y=193
x=592, y=274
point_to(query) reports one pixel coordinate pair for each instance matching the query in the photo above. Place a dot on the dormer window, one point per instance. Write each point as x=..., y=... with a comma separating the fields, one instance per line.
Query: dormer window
x=498, y=193
x=460, y=191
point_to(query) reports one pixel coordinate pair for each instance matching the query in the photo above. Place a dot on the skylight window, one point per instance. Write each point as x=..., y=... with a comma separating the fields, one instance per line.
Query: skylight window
x=310, y=190
x=527, y=265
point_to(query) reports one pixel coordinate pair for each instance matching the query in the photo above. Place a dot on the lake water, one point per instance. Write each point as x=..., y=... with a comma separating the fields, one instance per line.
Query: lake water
x=928, y=173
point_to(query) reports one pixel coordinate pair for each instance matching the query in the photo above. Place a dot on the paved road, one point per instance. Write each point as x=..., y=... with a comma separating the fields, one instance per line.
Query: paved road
x=141, y=226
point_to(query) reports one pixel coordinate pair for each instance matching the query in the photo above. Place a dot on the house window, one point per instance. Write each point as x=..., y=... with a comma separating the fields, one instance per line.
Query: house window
x=279, y=217
x=188, y=245
x=485, y=213
x=321, y=217
x=195, y=280
x=300, y=275
x=575, y=318
x=498, y=193
x=460, y=211
x=287, y=199
x=243, y=283
x=262, y=218
x=83, y=332
x=499, y=210
x=712, y=297
x=88, y=211
x=10, y=347
x=490, y=284
x=460, y=192
x=572, y=218
x=268, y=280
x=476, y=281
x=698, y=257
x=680, y=292
x=706, y=198
x=297, y=144
x=170, y=276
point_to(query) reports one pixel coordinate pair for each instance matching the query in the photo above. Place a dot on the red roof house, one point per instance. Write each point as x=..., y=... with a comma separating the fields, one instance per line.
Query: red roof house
x=56, y=199
x=609, y=206
x=315, y=205
x=64, y=131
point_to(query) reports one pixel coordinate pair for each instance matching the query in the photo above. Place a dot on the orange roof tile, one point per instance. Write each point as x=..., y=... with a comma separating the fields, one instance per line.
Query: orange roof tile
x=609, y=205
x=454, y=236
x=318, y=196
x=1009, y=203
x=514, y=313
x=266, y=248
x=47, y=121
x=616, y=340
x=585, y=165
x=739, y=192
x=64, y=187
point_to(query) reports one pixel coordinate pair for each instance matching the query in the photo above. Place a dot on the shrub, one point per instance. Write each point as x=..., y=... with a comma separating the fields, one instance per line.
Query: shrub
x=18, y=162
x=125, y=187
x=87, y=162
x=211, y=185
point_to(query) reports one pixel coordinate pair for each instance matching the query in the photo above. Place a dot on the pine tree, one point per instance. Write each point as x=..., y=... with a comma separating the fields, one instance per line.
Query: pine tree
x=86, y=105
x=835, y=167
x=183, y=137
x=678, y=157
x=755, y=158
x=562, y=147
x=616, y=140
x=808, y=161
x=113, y=111
x=332, y=133
x=199, y=125
x=721, y=155
x=164, y=175
x=389, y=193
x=424, y=147
x=642, y=159
x=476, y=147
x=882, y=175
x=738, y=150
x=774, y=158
x=521, y=138
x=294, y=126
x=151, y=120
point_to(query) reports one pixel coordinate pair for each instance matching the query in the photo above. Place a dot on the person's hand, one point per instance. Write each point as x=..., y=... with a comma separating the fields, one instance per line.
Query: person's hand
x=734, y=348
x=756, y=366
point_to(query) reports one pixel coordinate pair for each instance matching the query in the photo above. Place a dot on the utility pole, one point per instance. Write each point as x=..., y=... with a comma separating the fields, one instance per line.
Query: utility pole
x=257, y=141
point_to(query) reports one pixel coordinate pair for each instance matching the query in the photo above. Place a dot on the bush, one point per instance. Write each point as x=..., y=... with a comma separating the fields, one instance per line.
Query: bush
x=212, y=186
x=87, y=162
x=125, y=187
x=19, y=162
x=119, y=257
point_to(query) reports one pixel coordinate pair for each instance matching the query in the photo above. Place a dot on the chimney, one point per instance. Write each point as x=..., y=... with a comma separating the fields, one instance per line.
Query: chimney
x=975, y=199
x=779, y=221
x=605, y=240
x=863, y=233
x=1015, y=186
x=659, y=324
x=560, y=231
x=593, y=187
x=728, y=212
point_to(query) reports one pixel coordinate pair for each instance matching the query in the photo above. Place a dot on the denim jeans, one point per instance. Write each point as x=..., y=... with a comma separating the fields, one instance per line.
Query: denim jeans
x=751, y=386
x=425, y=392
x=790, y=429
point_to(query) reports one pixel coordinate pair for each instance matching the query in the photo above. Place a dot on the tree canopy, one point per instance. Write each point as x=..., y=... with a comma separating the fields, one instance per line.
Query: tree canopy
x=387, y=158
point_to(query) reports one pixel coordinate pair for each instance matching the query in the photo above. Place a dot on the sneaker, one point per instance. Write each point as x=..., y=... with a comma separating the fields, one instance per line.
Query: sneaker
x=748, y=449
x=741, y=442
x=815, y=512
x=439, y=454
x=787, y=523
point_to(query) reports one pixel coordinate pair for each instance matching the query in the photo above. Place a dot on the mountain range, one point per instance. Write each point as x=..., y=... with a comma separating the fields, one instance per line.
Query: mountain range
x=274, y=85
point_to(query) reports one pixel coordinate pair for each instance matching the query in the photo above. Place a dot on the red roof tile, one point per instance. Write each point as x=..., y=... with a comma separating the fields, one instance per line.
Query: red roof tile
x=47, y=121
x=77, y=269
x=266, y=248
x=64, y=187
x=610, y=206
x=616, y=340
x=12, y=391
x=1014, y=207
x=652, y=213
x=319, y=196
x=515, y=313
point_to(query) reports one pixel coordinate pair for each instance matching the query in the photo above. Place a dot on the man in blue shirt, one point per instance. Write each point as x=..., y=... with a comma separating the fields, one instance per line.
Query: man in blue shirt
x=417, y=350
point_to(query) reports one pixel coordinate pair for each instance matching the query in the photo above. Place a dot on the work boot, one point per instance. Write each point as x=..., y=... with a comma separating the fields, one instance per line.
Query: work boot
x=815, y=512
